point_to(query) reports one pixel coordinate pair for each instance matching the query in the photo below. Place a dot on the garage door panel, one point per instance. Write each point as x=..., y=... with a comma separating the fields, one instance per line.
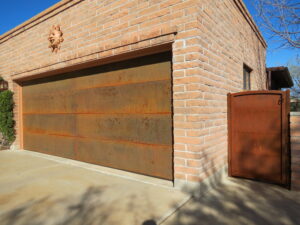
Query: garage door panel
x=152, y=129
x=126, y=98
x=44, y=86
x=60, y=124
x=60, y=90
x=49, y=103
x=62, y=146
x=48, y=96
x=117, y=115
x=151, y=160
x=140, y=74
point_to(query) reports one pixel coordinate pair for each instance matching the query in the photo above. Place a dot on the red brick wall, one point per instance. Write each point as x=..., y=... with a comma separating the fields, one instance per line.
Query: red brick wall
x=211, y=40
x=295, y=150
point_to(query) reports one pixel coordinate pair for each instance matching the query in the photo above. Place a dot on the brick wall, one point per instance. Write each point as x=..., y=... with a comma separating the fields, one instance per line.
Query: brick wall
x=295, y=150
x=211, y=40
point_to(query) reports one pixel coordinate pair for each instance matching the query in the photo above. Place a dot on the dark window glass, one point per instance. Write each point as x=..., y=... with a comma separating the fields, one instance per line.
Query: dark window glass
x=247, y=78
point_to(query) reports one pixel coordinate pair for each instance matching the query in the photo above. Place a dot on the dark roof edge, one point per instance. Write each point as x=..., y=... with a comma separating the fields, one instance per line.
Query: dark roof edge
x=286, y=73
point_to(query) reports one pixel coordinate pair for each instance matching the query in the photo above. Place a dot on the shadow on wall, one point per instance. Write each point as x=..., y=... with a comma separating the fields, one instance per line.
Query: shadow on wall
x=258, y=153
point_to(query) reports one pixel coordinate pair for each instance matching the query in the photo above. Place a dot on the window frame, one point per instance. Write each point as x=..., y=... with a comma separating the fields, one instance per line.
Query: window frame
x=247, y=78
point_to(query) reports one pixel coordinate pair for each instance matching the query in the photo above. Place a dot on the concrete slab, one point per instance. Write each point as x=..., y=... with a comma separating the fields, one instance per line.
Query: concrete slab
x=34, y=191
x=239, y=202
x=17, y=163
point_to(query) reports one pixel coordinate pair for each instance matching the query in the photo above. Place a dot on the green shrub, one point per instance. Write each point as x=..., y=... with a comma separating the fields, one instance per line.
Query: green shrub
x=7, y=122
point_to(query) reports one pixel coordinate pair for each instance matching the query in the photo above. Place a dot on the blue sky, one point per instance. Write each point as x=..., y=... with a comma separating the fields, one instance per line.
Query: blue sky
x=275, y=56
x=14, y=12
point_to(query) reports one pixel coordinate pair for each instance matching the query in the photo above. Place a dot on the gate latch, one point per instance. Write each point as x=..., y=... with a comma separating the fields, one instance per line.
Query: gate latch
x=280, y=101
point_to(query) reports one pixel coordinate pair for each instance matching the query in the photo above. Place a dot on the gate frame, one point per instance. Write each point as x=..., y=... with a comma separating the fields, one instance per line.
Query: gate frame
x=285, y=132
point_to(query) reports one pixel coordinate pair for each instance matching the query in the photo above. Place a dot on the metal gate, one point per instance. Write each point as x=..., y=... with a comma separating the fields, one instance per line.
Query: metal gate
x=258, y=136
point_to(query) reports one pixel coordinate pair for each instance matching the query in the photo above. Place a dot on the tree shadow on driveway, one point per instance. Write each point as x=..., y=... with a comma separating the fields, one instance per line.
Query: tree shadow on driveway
x=90, y=208
x=64, y=211
x=241, y=202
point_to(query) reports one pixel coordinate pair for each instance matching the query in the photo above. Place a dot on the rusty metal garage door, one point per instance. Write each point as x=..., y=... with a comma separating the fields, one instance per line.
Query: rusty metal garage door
x=258, y=136
x=117, y=115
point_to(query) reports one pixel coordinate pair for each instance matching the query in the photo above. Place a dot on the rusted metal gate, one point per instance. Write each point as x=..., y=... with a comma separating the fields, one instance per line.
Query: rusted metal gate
x=117, y=115
x=258, y=136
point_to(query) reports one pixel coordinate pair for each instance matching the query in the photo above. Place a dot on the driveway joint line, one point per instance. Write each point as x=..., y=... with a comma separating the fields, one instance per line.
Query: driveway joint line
x=174, y=210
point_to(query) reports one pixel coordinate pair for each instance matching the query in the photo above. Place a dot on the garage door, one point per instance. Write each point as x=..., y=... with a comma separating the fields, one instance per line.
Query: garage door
x=118, y=115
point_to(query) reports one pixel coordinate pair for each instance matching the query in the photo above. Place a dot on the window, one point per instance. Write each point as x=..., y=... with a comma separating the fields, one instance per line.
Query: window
x=247, y=78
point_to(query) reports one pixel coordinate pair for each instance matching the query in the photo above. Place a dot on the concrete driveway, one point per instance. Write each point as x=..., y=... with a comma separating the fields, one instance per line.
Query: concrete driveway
x=230, y=201
x=38, y=191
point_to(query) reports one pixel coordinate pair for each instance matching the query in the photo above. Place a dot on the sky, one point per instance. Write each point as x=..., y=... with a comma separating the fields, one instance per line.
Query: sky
x=275, y=55
x=15, y=12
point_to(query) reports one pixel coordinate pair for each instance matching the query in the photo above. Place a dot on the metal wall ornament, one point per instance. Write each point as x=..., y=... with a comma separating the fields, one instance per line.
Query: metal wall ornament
x=55, y=38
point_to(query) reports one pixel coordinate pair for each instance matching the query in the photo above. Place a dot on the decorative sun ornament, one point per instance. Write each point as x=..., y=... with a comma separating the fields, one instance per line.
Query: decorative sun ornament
x=55, y=38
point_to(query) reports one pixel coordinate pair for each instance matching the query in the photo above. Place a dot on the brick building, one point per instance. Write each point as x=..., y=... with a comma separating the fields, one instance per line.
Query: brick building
x=136, y=85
